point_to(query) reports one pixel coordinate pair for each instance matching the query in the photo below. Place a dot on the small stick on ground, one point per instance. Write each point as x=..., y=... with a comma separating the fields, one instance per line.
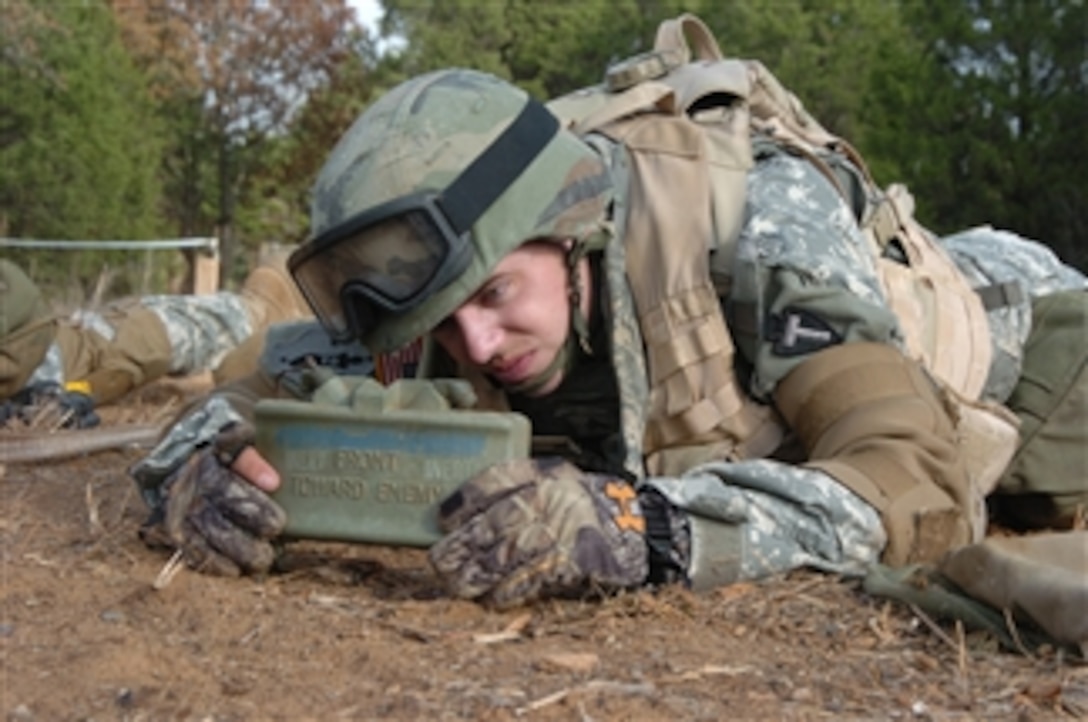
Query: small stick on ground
x=92, y=511
x=961, y=639
x=1014, y=632
x=798, y=590
x=593, y=685
x=934, y=627
x=170, y=570
x=511, y=632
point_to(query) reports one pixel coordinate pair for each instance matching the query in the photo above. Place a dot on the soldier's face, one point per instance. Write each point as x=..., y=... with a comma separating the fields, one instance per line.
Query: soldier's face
x=517, y=322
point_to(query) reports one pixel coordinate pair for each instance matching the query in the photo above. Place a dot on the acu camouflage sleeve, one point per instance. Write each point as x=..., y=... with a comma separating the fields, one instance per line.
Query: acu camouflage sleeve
x=804, y=266
x=755, y=518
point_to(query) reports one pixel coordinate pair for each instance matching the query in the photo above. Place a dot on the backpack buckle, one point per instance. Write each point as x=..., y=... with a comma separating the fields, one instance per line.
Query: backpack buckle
x=639, y=68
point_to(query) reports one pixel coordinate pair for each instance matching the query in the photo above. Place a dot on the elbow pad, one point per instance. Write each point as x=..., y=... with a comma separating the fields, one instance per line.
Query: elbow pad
x=872, y=419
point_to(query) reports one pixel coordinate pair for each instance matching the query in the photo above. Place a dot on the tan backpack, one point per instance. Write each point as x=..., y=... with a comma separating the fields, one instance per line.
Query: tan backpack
x=687, y=116
x=685, y=70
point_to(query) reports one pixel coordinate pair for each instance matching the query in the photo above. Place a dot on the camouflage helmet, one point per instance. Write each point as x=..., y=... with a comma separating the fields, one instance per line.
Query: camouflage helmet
x=20, y=299
x=424, y=136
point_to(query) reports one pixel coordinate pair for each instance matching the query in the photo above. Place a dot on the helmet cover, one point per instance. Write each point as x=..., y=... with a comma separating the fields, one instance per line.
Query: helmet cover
x=419, y=137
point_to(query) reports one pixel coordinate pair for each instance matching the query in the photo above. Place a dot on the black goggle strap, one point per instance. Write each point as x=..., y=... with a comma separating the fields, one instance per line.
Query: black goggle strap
x=470, y=194
x=480, y=184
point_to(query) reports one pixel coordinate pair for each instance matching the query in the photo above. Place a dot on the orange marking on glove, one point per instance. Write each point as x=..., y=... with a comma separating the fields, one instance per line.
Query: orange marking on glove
x=623, y=495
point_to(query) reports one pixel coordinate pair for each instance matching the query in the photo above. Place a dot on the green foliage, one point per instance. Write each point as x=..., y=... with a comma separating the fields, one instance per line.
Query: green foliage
x=832, y=53
x=230, y=76
x=563, y=46
x=1012, y=98
x=80, y=146
x=275, y=203
x=188, y=178
x=547, y=48
x=849, y=61
x=978, y=105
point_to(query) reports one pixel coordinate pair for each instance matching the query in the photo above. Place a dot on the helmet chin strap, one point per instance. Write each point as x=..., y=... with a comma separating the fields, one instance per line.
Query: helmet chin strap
x=578, y=333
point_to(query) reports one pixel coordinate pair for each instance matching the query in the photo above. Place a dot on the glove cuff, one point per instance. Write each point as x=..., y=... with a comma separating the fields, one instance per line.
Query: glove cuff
x=197, y=429
x=699, y=551
x=668, y=538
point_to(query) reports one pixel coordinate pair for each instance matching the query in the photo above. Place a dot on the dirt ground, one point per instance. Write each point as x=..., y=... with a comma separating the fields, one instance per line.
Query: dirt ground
x=364, y=632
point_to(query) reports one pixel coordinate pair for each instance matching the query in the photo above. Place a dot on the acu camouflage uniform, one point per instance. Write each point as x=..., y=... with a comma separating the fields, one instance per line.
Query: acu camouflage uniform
x=815, y=521
x=760, y=516
x=802, y=253
x=130, y=343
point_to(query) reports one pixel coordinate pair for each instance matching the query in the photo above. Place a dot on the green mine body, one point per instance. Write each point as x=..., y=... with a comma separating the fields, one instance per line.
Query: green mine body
x=367, y=469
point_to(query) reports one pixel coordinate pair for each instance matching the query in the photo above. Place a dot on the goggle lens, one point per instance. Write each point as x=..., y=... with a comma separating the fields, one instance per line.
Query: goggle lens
x=387, y=264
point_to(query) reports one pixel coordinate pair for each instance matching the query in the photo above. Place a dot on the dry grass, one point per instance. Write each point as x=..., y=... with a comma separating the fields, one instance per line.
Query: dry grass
x=365, y=632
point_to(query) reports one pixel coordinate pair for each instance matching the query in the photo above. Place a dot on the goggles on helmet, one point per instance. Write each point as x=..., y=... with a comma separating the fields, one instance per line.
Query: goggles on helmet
x=392, y=257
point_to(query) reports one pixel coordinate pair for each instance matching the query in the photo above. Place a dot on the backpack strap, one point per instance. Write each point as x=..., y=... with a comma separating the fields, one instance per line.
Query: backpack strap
x=1000, y=295
x=673, y=36
x=648, y=96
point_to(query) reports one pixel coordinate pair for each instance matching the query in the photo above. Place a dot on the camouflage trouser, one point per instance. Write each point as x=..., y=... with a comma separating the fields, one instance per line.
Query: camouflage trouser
x=50, y=370
x=200, y=331
x=991, y=257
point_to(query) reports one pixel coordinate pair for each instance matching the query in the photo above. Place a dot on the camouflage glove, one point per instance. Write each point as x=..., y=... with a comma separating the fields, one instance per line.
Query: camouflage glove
x=537, y=527
x=222, y=523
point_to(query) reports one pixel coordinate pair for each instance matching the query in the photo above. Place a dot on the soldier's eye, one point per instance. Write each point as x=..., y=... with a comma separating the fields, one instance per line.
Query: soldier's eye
x=496, y=291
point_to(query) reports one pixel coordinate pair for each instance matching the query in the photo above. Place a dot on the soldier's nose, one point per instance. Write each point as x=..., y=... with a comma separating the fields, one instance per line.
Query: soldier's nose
x=481, y=336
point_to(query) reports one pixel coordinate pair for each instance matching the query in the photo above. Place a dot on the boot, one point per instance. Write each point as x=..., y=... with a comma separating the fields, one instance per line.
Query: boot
x=270, y=294
x=1043, y=576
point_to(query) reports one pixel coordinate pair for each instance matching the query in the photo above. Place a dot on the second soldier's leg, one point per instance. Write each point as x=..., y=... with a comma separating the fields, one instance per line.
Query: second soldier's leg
x=204, y=329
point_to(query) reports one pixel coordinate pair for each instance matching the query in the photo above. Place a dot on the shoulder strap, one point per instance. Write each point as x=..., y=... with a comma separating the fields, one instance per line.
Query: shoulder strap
x=675, y=34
